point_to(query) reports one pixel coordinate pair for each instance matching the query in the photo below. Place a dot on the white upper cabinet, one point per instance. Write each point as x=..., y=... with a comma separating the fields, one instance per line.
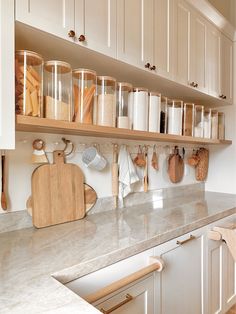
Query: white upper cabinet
x=7, y=79
x=213, y=60
x=135, y=32
x=226, y=91
x=52, y=16
x=95, y=25
x=198, y=37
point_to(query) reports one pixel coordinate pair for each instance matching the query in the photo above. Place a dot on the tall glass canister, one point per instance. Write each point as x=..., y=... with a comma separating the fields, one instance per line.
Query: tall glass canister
x=106, y=101
x=188, y=122
x=214, y=124
x=140, y=109
x=221, y=125
x=29, y=83
x=84, y=89
x=58, y=90
x=175, y=116
x=198, y=121
x=163, y=116
x=207, y=123
x=122, y=97
x=154, y=112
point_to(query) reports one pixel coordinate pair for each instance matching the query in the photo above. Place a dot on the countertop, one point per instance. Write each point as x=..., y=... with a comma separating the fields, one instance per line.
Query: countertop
x=31, y=259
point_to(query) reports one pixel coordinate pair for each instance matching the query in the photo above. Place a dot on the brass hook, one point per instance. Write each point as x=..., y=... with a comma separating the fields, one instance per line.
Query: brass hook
x=67, y=142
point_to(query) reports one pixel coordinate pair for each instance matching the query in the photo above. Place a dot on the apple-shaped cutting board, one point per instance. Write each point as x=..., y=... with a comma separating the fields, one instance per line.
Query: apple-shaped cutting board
x=57, y=193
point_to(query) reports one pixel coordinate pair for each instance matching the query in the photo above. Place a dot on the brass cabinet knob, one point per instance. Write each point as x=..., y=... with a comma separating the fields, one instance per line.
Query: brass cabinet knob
x=71, y=34
x=147, y=65
x=221, y=96
x=153, y=68
x=195, y=85
x=81, y=38
x=224, y=97
x=192, y=84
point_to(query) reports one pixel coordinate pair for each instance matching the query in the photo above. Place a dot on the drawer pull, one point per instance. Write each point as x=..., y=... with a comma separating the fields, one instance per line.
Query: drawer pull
x=191, y=237
x=128, y=298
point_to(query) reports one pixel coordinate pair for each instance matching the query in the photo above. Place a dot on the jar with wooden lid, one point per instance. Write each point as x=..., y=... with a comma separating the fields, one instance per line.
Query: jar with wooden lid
x=198, y=121
x=188, y=122
x=154, y=112
x=214, y=124
x=58, y=90
x=140, y=109
x=28, y=78
x=84, y=89
x=122, y=97
x=163, y=115
x=106, y=101
x=221, y=125
x=174, y=116
x=207, y=123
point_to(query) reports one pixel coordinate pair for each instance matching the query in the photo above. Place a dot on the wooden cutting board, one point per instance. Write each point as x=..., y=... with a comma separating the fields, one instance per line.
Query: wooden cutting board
x=57, y=193
x=175, y=168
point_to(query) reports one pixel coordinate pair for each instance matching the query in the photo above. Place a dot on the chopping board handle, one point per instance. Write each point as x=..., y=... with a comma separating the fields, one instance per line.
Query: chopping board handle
x=58, y=157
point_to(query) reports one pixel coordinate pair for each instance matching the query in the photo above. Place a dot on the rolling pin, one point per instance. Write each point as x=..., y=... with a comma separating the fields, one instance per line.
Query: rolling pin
x=115, y=184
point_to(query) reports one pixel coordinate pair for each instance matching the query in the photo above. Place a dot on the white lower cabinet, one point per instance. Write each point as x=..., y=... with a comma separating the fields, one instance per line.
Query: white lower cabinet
x=137, y=298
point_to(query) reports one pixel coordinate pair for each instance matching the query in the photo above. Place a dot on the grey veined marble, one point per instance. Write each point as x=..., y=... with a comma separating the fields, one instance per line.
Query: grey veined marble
x=31, y=259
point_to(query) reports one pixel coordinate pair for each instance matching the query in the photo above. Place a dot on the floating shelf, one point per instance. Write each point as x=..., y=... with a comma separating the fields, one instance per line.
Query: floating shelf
x=43, y=125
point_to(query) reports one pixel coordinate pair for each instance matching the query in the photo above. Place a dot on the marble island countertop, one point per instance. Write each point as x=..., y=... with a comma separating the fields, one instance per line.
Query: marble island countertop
x=31, y=259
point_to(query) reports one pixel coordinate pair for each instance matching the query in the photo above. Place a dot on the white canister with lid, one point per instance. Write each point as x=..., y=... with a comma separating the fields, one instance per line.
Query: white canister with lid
x=175, y=116
x=154, y=112
x=140, y=109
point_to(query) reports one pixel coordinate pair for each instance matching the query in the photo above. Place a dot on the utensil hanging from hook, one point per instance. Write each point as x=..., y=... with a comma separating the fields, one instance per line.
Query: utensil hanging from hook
x=155, y=159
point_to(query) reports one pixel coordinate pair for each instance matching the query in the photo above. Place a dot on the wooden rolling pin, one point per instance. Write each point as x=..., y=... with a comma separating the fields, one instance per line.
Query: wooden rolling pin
x=115, y=184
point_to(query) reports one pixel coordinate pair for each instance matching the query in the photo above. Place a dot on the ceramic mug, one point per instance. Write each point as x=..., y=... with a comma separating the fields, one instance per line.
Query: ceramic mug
x=93, y=159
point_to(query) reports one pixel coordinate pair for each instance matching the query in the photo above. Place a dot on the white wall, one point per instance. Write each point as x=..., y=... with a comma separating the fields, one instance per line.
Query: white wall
x=20, y=166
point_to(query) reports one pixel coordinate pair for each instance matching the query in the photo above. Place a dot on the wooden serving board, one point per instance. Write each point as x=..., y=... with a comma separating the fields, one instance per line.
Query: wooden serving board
x=57, y=193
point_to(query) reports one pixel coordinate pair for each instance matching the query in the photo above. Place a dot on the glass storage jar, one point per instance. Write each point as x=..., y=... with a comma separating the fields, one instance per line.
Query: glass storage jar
x=163, y=116
x=123, y=96
x=198, y=121
x=84, y=89
x=58, y=90
x=28, y=88
x=154, y=112
x=188, y=119
x=106, y=101
x=214, y=124
x=140, y=109
x=207, y=123
x=174, y=116
x=221, y=125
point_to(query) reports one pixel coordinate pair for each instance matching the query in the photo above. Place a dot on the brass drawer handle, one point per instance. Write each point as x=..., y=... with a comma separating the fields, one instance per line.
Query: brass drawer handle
x=185, y=241
x=128, y=298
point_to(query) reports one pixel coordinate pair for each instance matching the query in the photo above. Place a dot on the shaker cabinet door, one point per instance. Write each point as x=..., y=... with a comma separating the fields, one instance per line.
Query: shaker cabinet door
x=95, y=25
x=7, y=79
x=198, y=36
x=52, y=16
x=227, y=68
x=135, y=32
x=213, y=60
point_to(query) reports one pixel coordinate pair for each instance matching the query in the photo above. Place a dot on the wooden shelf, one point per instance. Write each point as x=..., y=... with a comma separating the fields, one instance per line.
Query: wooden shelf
x=42, y=125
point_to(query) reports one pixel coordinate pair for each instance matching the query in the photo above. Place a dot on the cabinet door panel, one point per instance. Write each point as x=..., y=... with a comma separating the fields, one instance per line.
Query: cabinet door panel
x=229, y=279
x=54, y=16
x=96, y=20
x=135, y=31
x=227, y=68
x=142, y=303
x=7, y=80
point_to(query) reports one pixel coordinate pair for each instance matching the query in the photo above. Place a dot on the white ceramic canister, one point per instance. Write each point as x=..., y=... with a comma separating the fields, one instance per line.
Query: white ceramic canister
x=140, y=109
x=154, y=112
x=175, y=116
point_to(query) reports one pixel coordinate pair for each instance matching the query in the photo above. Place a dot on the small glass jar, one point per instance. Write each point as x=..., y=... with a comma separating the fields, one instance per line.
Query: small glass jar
x=221, y=125
x=207, y=123
x=28, y=78
x=84, y=89
x=214, y=124
x=175, y=116
x=123, y=91
x=198, y=121
x=140, y=109
x=154, y=112
x=58, y=90
x=163, y=115
x=188, y=119
x=106, y=101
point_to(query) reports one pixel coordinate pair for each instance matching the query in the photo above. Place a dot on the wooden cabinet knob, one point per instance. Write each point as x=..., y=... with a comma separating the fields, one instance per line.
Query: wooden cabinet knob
x=153, y=68
x=192, y=84
x=81, y=38
x=195, y=85
x=221, y=96
x=147, y=65
x=71, y=34
x=224, y=97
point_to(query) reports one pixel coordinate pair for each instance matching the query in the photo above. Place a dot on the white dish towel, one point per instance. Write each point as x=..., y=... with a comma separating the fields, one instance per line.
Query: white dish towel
x=127, y=173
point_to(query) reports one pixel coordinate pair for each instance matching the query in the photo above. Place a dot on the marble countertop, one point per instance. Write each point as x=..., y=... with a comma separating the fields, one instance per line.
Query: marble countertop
x=31, y=259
